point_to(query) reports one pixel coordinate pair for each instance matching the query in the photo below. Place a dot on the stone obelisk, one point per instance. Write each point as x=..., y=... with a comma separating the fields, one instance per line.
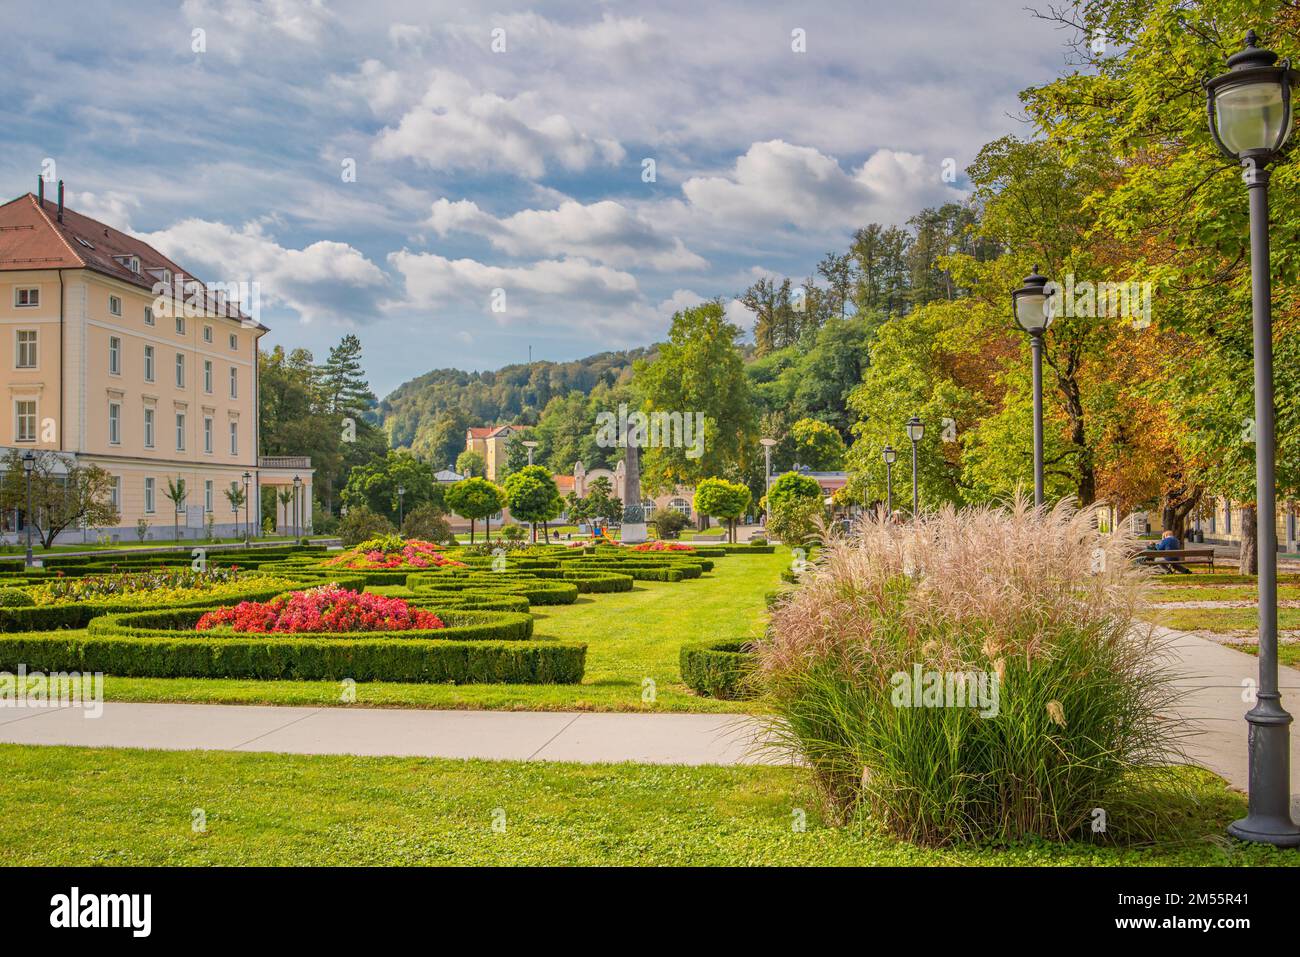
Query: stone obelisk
x=633, y=531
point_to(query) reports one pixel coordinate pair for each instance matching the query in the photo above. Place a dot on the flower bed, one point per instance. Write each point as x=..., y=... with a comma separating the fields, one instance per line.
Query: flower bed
x=661, y=546
x=73, y=602
x=326, y=608
x=392, y=552
x=472, y=647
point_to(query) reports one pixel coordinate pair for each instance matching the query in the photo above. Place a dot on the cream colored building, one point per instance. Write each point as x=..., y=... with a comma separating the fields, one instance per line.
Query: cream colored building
x=96, y=366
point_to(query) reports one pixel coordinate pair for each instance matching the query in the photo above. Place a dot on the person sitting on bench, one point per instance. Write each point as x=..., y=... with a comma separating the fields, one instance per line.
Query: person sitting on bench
x=1169, y=543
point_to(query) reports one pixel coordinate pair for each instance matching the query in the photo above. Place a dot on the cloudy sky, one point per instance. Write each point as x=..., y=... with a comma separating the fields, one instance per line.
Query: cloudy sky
x=455, y=182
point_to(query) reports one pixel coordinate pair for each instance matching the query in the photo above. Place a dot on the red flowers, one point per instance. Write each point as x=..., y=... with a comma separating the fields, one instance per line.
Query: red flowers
x=392, y=551
x=662, y=546
x=325, y=609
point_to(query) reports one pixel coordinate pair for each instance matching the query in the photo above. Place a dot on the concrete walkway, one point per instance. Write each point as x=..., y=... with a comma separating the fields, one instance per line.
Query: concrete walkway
x=507, y=735
x=1211, y=678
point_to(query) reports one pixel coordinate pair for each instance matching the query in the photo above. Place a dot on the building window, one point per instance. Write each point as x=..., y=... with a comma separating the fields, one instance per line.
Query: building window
x=234, y=342
x=26, y=349
x=115, y=305
x=234, y=382
x=180, y=431
x=148, y=428
x=114, y=423
x=207, y=333
x=114, y=355
x=148, y=495
x=680, y=505
x=148, y=315
x=115, y=492
x=25, y=420
x=27, y=297
x=180, y=325
x=207, y=434
x=148, y=363
x=207, y=375
x=207, y=496
x=234, y=438
x=180, y=371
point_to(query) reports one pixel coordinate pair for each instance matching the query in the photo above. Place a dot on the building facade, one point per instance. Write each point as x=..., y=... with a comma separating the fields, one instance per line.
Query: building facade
x=95, y=369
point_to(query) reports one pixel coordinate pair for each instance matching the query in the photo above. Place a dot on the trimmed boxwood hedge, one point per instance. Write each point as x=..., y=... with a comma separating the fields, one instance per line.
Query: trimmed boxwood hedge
x=80, y=614
x=719, y=669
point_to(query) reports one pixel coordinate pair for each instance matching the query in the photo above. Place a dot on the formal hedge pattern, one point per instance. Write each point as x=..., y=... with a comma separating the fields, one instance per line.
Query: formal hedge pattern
x=719, y=669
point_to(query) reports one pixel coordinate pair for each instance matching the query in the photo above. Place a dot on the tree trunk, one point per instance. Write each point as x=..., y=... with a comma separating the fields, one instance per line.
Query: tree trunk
x=487, y=528
x=1249, y=561
x=471, y=530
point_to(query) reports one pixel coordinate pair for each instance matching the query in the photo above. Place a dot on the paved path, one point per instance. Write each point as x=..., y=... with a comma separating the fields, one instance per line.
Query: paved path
x=511, y=735
x=1211, y=677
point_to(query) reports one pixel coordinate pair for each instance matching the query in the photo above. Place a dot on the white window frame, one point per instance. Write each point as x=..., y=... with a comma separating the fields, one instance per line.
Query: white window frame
x=234, y=436
x=20, y=347
x=148, y=315
x=207, y=333
x=234, y=382
x=149, y=426
x=149, y=370
x=115, y=305
x=234, y=342
x=207, y=376
x=180, y=431
x=180, y=370
x=180, y=325
x=19, y=435
x=207, y=496
x=115, y=423
x=207, y=434
x=32, y=295
x=114, y=355
x=115, y=492
x=149, y=496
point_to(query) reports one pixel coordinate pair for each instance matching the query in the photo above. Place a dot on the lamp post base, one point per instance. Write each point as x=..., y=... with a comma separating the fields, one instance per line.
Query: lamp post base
x=1268, y=820
x=1278, y=831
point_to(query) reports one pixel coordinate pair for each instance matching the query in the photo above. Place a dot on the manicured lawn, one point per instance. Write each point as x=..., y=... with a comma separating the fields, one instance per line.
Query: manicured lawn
x=76, y=806
x=631, y=637
x=1286, y=654
x=1221, y=619
x=1221, y=593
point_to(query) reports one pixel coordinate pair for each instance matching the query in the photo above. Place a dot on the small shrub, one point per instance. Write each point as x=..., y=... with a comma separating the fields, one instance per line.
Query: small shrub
x=514, y=533
x=361, y=524
x=429, y=523
x=15, y=598
x=669, y=523
x=720, y=669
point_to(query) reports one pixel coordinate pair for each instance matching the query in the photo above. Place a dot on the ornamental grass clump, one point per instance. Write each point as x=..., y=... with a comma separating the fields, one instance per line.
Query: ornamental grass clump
x=327, y=609
x=978, y=675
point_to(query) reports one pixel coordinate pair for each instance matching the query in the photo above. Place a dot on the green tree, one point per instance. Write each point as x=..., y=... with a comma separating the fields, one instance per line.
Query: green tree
x=471, y=464
x=343, y=381
x=533, y=497
x=475, y=498
x=236, y=497
x=791, y=486
x=64, y=493
x=817, y=445
x=699, y=371
x=722, y=499
x=375, y=484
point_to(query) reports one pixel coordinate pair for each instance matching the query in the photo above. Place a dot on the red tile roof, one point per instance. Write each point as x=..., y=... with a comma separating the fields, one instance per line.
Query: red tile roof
x=31, y=237
x=481, y=432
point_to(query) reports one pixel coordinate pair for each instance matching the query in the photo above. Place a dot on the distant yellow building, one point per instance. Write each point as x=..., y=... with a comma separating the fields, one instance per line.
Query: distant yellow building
x=490, y=442
x=94, y=370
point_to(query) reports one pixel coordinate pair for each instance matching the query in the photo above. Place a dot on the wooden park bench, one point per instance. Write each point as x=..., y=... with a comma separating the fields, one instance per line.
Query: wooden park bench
x=1177, y=556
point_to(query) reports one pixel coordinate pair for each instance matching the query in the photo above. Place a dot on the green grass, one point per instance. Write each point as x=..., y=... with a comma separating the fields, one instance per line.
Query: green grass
x=1286, y=654
x=631, y=636
x=78, y=806
x=1220, y=619
x=1221, y=593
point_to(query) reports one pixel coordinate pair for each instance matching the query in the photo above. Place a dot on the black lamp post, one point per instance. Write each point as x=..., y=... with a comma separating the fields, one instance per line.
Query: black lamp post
x=401, y=495
x=889, y=456
x=1249, y=111
x=915, y=432
x=29, y=463
x=1033, y=305
x=247, y=531
x=297, y=514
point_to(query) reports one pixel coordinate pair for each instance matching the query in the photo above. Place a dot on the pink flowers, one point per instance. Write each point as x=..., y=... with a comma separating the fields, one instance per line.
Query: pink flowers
x=393, y=551
x=662, y=546
x=325, y=609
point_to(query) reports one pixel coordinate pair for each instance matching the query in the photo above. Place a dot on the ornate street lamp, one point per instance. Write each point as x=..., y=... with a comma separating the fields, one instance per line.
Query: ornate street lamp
x=1249, y=110
x=1034, y=307
x=890, y=456
x=247, y=528
x=915, y=432
x=29, y=463
x=297, y=514
x=530, y=445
